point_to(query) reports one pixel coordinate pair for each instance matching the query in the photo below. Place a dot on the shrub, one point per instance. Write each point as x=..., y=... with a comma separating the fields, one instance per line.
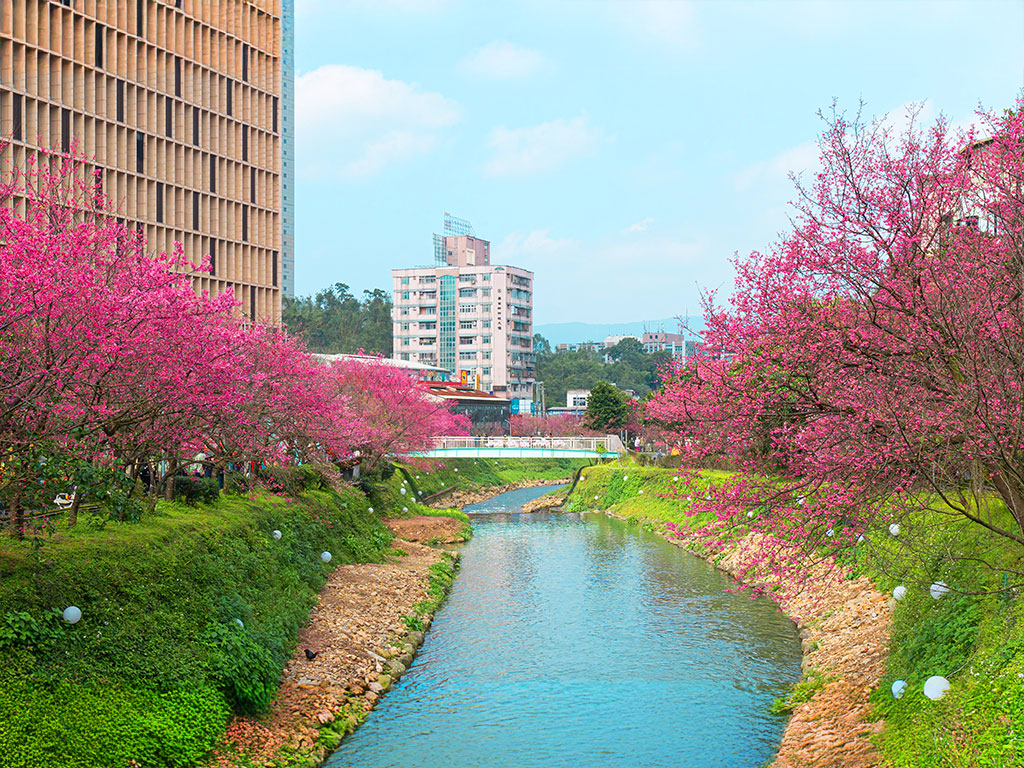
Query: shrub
x=196, y=490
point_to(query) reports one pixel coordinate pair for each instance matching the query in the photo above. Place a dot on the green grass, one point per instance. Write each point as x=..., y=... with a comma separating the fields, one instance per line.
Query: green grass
x=802, y=690
x=158, y=661
x=474, y=474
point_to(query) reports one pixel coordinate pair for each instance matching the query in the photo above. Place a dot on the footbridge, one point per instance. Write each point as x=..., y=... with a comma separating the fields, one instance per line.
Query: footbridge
x=510, y=447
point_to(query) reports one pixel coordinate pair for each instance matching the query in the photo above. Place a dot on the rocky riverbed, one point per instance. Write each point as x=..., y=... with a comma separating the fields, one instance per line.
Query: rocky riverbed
x=361, y=644
x=462, y=498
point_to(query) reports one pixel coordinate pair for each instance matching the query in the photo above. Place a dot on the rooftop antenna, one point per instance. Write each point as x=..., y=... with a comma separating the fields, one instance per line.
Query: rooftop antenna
x=453, y=226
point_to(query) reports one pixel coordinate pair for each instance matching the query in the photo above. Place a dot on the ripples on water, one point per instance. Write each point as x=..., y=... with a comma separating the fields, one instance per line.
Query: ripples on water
x=583, y=642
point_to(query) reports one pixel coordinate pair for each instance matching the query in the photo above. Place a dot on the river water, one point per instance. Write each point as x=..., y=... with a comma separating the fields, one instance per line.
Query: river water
x=583, y=641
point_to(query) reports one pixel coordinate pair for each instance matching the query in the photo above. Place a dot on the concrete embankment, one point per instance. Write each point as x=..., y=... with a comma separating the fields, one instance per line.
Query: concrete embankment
x=364, y=632
x=844, y=627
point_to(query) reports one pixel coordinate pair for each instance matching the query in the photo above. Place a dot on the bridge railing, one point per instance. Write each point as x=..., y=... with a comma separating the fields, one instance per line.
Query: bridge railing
x=605, y=444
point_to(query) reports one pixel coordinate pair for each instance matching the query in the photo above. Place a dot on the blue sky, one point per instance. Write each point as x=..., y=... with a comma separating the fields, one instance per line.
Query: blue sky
x=623, y=151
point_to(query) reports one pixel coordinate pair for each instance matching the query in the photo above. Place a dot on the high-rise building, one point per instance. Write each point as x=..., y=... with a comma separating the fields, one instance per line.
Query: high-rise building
x=177, y=106
x=288, y=148
x=467, y=315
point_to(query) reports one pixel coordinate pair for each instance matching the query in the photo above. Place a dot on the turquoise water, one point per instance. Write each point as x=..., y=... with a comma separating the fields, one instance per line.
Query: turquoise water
x=572, y=641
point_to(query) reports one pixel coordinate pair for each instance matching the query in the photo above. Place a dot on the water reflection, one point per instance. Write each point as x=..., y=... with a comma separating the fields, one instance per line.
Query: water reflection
x=570, y=642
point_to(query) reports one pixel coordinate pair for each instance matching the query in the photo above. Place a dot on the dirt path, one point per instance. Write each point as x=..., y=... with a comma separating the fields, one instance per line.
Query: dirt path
x=358, y=634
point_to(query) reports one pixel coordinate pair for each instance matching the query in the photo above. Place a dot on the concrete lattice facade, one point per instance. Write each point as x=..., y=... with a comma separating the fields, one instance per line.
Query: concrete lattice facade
x=468, y=316
x=177, y=105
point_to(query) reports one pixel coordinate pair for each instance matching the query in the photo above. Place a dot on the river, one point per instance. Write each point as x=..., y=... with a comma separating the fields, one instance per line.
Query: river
x=583, y=641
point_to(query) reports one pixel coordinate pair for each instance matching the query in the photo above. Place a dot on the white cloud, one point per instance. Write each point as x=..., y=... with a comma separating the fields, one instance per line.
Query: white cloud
x=544, y=147
x=775, y=171
x=640, y=226
x=357, y=122
x=668, y=21
x=502, y=60
x=659, y=273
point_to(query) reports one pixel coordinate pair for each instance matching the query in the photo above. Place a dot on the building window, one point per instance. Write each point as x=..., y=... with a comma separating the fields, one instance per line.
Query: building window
x=195, y=126
x=275, y=115
x=467, y=356
x=169, y=119
x=65, y=130
x=245, y=143
x=213, y=257
x=486, y=324
x=405, y=281
x=99, y=46
x=16, y=128
x=252, y=302
x=252, y=185
x=273, y=264
x=485, y=339
x=160, y=202
x=140, y=153
x=230, y=92
x=467, y=339
x=245, y=223
x=405, y=295
x=405, y=341
x=195, y=210
x=467, y=325
x=213, y=173
x=120, y=101
x=177, y=76
x=245, y=62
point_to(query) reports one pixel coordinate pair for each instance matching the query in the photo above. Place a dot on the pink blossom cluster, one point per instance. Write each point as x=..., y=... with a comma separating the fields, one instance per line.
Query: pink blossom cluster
x=108, y=356
x=872, y=361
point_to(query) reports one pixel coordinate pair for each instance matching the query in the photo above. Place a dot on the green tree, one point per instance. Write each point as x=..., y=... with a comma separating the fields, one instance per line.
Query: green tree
x=335, y=321
x=607, y=408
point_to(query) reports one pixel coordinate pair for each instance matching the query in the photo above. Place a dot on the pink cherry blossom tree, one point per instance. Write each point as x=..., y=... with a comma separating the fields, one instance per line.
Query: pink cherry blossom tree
x=870, y=365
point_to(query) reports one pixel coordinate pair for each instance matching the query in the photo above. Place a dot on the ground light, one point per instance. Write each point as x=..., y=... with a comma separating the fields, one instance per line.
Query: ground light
x=276, y=534
x=371, y=509
x=894, y=529
x=405, y=509
x=72, y=614
x=239, y=623
x=402, y=489
x=938, y=589
x=899, y=592
x=935, y=687
x=899, y=688
x=325, y=556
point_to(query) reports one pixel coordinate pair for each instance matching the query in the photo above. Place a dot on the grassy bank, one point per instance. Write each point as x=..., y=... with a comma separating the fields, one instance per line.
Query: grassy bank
x=477, y=474
x=186, y=617
x=974, y=640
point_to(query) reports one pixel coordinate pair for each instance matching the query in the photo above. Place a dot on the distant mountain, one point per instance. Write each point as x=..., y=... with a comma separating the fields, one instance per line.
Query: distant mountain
x=573, y=333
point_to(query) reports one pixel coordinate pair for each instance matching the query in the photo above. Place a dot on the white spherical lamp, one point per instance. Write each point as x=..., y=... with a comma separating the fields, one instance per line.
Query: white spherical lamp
x=938, y=589
x=830, y=533
x=239, y=623
x=899, y=593
x=894, y=529
x=276, y=534
x=456, y=469
x=899, y=688
x=641, y=491
x=405, y=509
x=860, y=539
x=935, y=687
x=750, y=514
x=403, y=490
x=371, y=509
x=626, y=477
x=72, y=614
x=325, y=556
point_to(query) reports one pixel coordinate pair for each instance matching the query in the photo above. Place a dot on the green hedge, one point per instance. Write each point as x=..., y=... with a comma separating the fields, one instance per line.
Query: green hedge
x=187, y=615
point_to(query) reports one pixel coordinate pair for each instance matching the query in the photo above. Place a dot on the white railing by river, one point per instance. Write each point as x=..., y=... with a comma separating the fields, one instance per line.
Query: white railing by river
x=525, y=446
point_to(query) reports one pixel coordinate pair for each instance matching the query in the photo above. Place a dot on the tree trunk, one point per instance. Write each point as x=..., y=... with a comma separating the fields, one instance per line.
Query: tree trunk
x=76, y=502
x=17, y=516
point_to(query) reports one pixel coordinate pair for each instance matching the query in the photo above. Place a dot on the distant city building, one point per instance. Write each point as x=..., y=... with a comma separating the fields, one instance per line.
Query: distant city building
x=488, y=413
x=589, y=346
x=673, y=343
x=177, y=109
x=467, y=315
x=577, y=398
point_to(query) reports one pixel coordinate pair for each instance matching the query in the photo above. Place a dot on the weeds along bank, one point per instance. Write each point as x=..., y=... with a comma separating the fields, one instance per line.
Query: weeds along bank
x=976, y=641
x=473, y=475
x=187, y=617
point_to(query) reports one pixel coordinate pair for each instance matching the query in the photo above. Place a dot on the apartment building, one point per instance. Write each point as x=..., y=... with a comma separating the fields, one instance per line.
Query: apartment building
x=466, y=315
x=177, y=105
